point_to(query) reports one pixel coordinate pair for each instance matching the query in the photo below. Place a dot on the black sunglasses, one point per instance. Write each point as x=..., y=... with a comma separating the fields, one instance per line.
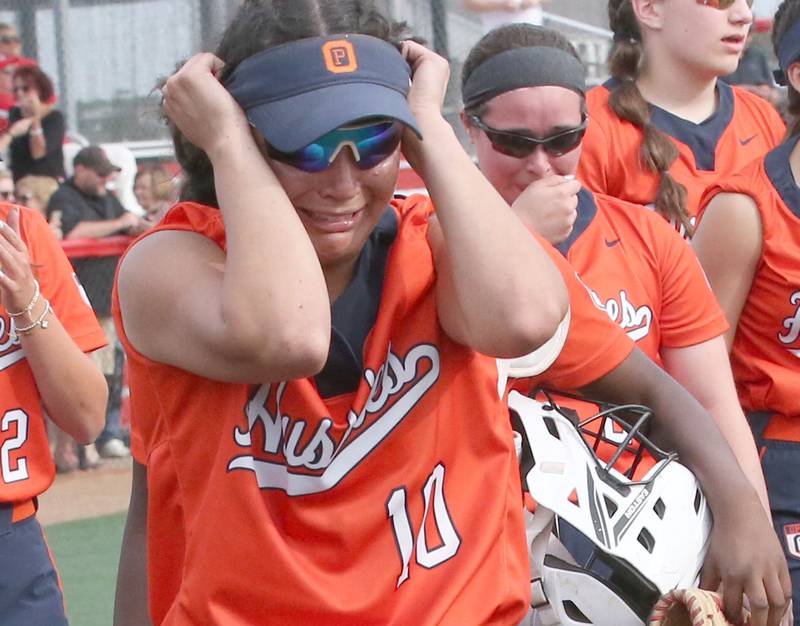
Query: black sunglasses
x=521, y=145
x=9, y=39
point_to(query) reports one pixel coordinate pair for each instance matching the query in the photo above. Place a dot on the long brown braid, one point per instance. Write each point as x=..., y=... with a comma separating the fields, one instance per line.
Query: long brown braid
x=657, y=152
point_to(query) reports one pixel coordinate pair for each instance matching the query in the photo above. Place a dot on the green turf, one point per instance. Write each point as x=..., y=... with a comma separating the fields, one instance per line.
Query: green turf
x=87, y=553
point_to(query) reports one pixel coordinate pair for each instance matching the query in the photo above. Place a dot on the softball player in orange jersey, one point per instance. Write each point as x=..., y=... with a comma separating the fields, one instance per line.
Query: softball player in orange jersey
x=664, y=128
x=524, y=110
x=749, y=244
x=46, y=325
x=307, y=358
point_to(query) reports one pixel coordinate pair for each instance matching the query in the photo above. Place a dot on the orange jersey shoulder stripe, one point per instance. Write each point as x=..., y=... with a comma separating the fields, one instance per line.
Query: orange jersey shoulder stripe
x=766, y=350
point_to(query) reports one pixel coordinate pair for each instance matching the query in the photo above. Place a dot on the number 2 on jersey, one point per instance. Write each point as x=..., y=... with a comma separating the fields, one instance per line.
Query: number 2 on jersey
x=10, y=472
x=397, y=509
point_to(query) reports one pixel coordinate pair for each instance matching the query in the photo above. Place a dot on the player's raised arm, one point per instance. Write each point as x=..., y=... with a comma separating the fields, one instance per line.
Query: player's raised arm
x=258, y=310
x=500, y=292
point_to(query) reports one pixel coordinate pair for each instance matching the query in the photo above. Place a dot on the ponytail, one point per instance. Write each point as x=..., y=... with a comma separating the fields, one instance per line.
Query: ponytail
x=657, y=152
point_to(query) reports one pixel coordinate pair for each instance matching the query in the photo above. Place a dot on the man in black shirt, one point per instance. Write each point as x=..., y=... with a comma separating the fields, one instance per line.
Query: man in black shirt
x=89, y=211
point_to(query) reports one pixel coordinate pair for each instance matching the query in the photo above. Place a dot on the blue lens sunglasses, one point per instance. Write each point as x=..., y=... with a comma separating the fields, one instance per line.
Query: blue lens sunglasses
x=371, y=144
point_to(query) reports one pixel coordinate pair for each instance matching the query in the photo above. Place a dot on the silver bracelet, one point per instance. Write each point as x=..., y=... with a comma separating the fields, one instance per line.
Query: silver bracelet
x=41, y=322
x=31, y=304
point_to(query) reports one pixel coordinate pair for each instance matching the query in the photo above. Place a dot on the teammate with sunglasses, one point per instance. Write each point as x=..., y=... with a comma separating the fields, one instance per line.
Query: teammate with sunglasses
x=527, y=83
x=663, y=128
x=318, y=430
x=748, y=241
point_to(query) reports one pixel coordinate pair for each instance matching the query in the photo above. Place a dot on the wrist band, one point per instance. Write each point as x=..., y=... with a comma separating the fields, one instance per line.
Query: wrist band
x=31, y=304
x=41, y=322
x=35, y=132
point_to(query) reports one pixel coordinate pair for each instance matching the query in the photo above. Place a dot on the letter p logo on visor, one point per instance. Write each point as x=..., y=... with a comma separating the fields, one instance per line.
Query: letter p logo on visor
x=340, y=56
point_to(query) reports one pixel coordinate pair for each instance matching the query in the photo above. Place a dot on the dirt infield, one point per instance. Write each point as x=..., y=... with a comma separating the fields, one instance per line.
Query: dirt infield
x=92, y=493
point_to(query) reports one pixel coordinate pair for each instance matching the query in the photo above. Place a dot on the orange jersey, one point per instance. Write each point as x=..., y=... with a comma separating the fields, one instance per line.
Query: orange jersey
x=594, y=345
x=26, y=468
x=398, y=503
x=744, y=128
x=766, y=349
x=645, y=281
x=642, y=274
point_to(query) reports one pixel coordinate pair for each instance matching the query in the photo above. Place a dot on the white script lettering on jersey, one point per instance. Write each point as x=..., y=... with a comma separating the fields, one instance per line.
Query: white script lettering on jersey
x=396, y=388
x=792, y=325
x=635, y=321
x=10, y=350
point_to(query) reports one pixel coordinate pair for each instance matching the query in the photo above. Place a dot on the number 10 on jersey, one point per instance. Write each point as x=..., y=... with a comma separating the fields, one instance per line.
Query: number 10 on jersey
x=397, y=509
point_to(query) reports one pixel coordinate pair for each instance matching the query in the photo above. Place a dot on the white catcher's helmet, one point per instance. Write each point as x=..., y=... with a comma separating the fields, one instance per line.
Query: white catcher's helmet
x=643, y=511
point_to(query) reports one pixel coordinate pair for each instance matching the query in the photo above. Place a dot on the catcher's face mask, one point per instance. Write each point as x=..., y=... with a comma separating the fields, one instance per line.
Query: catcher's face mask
x=642, y=513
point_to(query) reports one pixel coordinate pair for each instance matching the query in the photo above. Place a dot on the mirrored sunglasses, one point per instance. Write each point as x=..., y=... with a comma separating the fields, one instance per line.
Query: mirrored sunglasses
x=521, y=145
x=371, y=144
x=722, y=5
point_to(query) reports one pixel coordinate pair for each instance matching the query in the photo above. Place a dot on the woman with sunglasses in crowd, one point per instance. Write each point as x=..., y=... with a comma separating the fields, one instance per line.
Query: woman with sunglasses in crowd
x=35, y=134
x=664, y=128
x=523, y=90
x=748, y=241
x=319, y=438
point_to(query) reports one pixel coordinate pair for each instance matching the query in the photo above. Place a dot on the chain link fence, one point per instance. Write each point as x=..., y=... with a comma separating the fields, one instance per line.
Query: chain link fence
x=105, y=56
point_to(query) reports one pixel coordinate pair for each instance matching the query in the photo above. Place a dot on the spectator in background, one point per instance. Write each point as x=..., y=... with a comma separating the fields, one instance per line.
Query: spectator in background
x=6, y=187
x=7, y=100
x=496, y=13
x=8, y=66
x=88, y=210
x=755, y=74
x=35, y=133
x=10, y=42
x=154, y=191
x=35, y=192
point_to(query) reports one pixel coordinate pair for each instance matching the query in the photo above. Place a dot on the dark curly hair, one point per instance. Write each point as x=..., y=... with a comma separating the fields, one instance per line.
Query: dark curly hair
x=34, y=77
x=263, y=24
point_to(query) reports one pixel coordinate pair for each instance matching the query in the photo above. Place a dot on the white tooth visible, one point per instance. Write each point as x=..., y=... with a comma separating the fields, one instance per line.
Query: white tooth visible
x=332, y=218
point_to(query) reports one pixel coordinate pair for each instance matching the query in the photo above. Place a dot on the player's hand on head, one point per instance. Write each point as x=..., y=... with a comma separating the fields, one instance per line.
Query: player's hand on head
x=746, y=563
x=429, y=78
x=200, y=106
x=549, y=206
x=16, y=276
